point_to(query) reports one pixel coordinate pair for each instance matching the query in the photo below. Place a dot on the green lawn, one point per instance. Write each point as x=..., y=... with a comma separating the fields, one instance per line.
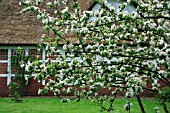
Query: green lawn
x=53, y=105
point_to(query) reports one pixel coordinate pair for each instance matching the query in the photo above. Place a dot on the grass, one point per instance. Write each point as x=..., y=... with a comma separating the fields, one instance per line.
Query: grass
x=53, y=105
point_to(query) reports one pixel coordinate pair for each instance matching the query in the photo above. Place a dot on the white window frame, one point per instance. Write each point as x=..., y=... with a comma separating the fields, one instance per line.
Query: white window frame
x=26, y=48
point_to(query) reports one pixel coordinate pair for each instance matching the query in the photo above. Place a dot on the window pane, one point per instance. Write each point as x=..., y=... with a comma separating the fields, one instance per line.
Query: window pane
x=3, y=68
x=16, y=58
x=35, y=53
x=3, y=54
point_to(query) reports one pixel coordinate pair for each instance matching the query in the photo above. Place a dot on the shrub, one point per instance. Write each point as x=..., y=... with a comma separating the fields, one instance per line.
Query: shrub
x=166, y=94
x=13, y=89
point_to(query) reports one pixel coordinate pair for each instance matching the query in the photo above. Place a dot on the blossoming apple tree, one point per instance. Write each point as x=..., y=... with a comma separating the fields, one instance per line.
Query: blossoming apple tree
x=117, y=50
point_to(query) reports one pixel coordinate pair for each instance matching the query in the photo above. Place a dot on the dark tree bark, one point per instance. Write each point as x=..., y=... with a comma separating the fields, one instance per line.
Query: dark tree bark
x=140, y=104
x=164, y=104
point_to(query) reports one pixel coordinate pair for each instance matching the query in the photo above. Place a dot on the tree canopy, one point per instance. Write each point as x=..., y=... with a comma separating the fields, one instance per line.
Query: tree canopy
x=119, y=51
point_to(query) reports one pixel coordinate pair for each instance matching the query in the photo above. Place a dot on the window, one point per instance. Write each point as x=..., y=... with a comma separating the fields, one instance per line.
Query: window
x=115, y=4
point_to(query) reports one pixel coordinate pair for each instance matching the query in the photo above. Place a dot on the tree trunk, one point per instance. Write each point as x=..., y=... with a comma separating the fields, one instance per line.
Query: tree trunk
x=164, y=104
x=140, y=104
x=165, y=107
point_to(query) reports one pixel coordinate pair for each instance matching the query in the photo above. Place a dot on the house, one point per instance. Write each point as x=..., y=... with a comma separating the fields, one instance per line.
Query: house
x=24, y=31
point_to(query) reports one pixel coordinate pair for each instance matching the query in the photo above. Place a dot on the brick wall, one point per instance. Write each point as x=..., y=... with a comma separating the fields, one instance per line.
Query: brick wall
x=28, y=90
x=3, y=86
x=33, y=86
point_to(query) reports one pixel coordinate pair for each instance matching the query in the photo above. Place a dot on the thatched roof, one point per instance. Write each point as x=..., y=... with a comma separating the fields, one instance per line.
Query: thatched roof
x=16, y=28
